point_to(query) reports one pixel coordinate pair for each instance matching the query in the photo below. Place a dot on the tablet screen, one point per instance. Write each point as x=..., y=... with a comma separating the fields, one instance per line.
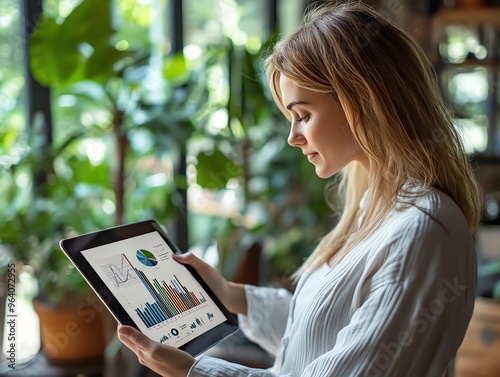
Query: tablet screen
x=158, y=293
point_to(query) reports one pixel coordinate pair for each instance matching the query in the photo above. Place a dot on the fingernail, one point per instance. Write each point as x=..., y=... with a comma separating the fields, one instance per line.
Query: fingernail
x=181, y=255
x=123, y=331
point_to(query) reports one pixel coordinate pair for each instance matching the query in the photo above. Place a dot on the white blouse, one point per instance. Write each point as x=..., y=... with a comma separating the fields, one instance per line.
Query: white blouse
x=397, y=305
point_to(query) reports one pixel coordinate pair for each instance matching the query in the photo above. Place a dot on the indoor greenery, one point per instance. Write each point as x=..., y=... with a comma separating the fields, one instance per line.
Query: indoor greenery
x=281, y=201
x=86, y=188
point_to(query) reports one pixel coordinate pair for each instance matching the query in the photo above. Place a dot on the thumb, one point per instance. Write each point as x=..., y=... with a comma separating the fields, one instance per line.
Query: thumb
x=182, y=256
x=185, y=258
x=133, y=335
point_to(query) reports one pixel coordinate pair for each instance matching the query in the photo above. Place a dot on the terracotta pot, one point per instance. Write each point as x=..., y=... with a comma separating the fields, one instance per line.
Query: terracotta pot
x=479, y=354
x=73, y=335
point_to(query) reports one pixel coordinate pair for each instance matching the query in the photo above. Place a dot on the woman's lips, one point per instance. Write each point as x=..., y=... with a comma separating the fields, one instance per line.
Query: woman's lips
x=312, y=156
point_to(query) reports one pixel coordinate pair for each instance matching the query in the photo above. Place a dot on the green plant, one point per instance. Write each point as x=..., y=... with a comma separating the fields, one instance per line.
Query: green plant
x=78, y=58
x=32, y=224
x=282, y=201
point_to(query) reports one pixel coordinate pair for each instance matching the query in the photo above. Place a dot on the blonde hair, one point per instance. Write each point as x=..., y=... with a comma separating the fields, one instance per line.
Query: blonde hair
x=387, y=89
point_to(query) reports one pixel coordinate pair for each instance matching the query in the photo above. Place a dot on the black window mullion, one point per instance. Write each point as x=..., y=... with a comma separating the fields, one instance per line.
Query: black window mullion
x=37, y=97
x=180, y=231
x=272, y=15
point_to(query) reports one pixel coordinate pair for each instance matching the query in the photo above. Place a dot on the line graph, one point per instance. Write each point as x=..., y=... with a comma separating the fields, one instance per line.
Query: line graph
x=119, y=271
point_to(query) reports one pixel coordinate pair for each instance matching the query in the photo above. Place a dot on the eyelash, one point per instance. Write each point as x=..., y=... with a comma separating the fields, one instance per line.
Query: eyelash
x=305, y=118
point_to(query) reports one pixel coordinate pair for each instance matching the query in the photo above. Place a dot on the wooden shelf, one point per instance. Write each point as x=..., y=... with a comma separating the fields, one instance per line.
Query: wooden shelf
x=467, y=16
x=461, y=16
x=485, y=23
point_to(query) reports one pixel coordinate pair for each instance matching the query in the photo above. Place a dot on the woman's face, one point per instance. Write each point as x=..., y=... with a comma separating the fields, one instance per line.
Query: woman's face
x=319, y=127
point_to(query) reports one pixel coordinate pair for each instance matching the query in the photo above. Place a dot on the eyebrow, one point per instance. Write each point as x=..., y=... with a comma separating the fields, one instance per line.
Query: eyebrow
x=293, y=103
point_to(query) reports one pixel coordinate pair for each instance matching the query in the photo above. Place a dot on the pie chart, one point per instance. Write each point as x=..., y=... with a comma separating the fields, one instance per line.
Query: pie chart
x=146, y=258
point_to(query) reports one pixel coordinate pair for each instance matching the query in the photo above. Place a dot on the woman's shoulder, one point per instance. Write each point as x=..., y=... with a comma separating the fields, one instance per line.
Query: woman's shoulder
x=432, y=211
x=430, y=231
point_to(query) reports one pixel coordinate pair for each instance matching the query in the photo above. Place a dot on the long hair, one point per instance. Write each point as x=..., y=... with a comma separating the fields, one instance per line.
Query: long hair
x=388, y=91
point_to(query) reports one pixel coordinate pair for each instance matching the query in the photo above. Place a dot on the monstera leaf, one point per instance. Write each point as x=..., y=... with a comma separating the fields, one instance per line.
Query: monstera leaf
x=80, y=48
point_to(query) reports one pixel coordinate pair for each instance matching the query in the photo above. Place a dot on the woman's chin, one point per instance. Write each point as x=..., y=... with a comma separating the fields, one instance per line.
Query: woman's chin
x=325, y=174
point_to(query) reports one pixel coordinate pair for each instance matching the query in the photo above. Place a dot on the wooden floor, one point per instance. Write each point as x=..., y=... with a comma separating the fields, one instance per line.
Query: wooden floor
x=479, y=355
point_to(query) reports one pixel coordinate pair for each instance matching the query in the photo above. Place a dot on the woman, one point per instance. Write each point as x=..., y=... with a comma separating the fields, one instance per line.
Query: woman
x=390, y=290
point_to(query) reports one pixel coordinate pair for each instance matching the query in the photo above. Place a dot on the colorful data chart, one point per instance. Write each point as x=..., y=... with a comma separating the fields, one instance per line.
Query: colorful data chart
x=146, y=258
x=170, y=299
x=151, y=315
x=197, y=322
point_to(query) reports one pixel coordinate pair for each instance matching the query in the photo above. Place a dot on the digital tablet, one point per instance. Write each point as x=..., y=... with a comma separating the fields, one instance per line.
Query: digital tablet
x=131, y=269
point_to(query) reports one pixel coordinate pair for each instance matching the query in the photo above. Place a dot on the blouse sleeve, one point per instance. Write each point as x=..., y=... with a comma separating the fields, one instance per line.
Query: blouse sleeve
x=267, y=315
x=265, y=325
x=207, y=366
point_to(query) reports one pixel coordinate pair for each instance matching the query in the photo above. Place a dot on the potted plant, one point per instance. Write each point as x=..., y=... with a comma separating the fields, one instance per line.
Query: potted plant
x=30, y=229
x=78, y=57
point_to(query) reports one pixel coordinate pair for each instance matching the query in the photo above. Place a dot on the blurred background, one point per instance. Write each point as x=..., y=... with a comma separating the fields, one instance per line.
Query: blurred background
x=115, y=111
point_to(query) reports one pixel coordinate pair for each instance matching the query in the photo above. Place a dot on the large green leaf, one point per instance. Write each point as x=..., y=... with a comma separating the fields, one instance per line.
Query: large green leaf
x=85, y=172
x=215, y=170
x=90, y=22
x=80, y=48
x=100, y=65
x=55, y=58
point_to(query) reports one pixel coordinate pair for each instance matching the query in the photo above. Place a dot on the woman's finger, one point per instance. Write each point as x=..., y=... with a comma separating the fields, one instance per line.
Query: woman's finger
x=211, y=276
x=189, y=258
x=133, y=338
x=164, y=360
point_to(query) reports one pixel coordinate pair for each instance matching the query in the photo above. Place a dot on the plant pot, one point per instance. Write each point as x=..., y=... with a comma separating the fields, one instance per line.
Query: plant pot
x=75, y=334
x=479, y=354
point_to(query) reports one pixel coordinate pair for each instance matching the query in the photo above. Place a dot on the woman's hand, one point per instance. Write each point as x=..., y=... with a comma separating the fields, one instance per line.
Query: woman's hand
x=232, y=295
x=164, y=360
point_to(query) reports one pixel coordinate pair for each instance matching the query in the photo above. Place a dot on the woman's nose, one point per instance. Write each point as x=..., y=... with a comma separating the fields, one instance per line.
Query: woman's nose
x=295, y=138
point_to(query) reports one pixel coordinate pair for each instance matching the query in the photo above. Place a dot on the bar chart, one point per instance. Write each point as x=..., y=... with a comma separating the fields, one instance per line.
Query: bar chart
x=170, y=300
x=197, y=322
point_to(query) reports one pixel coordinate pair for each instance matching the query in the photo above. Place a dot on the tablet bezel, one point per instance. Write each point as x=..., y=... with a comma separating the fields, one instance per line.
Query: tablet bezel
x=72, y=248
